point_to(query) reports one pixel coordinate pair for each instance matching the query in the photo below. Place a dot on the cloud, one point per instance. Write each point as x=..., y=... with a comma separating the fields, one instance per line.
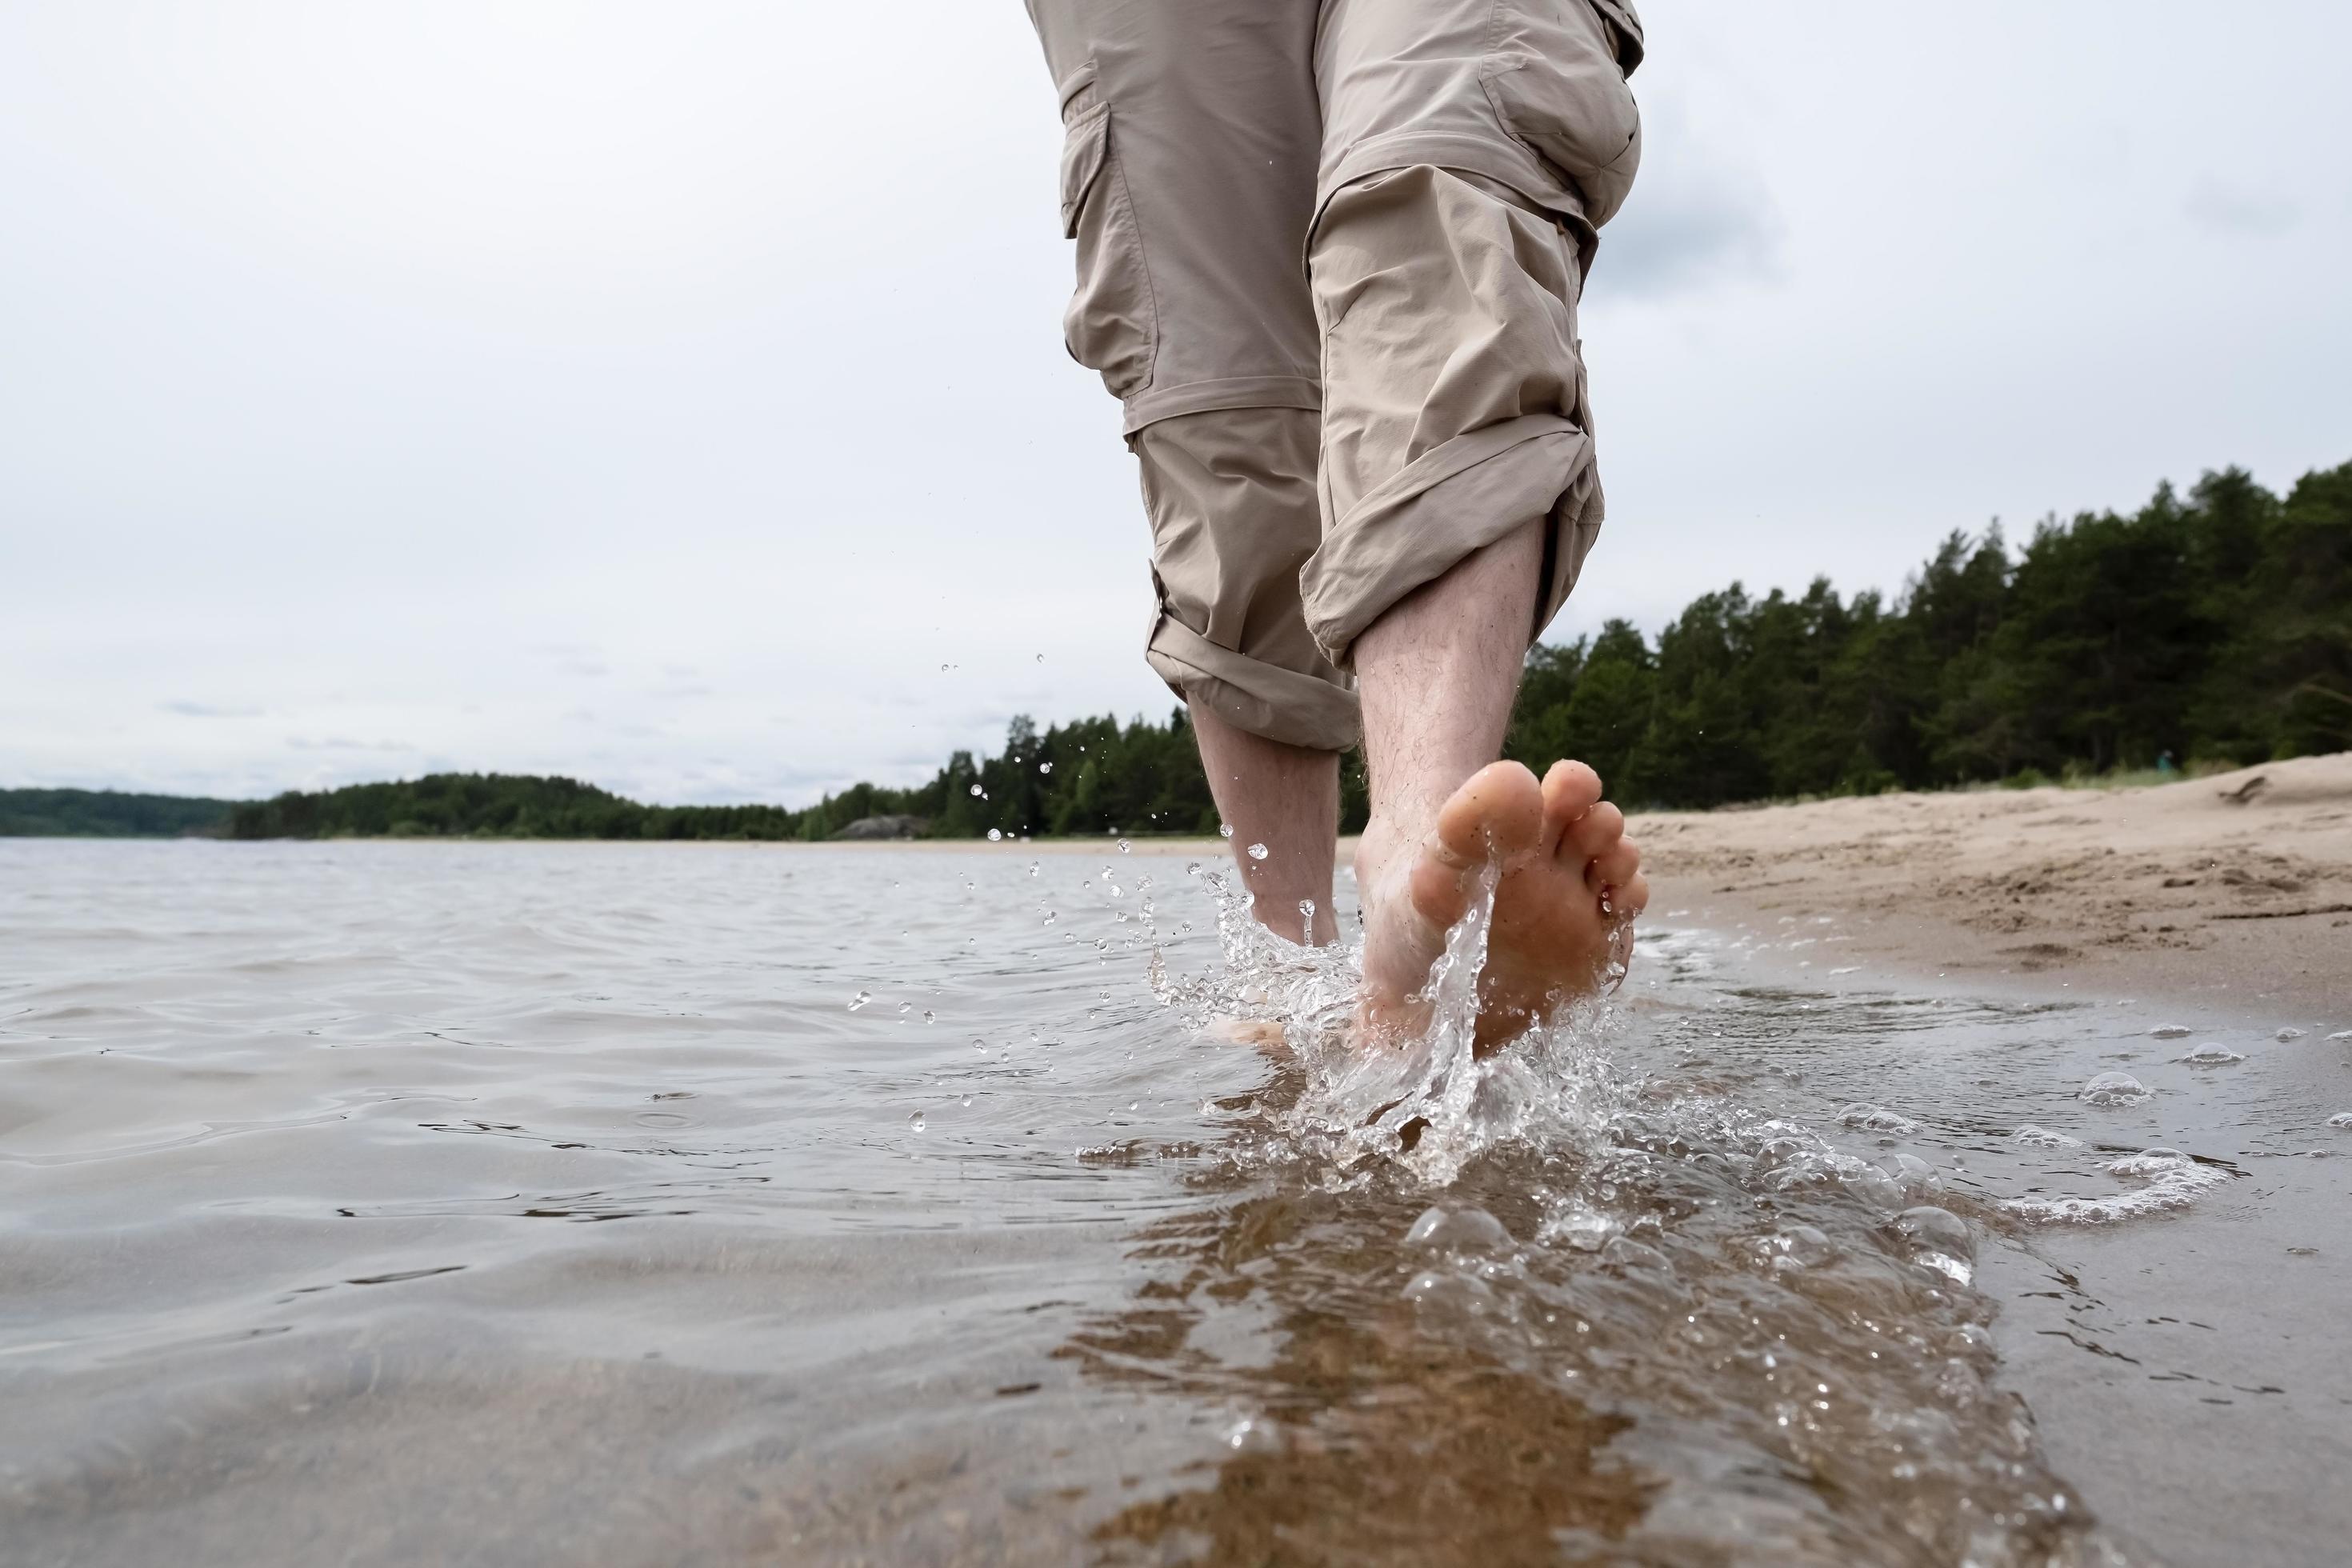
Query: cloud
x=344, y=743
x=2223, y=207
x=1697, y=216
x=187, y=710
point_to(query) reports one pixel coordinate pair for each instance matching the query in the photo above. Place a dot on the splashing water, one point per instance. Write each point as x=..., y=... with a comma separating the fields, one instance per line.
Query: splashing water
x=1644, y=1242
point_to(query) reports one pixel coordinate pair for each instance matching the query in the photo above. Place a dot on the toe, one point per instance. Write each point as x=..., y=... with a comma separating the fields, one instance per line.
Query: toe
x=1615, y=867
x=1570, y=790
x=1496, y=815
x=1630, y=897
x=1591, y=835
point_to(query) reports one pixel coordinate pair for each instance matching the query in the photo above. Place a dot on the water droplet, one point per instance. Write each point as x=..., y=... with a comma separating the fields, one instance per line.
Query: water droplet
x=929, y=1017
x=2113, y=1089
x=860, y=1000
x=978, y=1043
x=2167, y=1031
x=2341, y=1118
x=945, y=668
x=1041, y=658
x=905, y=1008
x=2289, y=1033
x=1045, y=767
x=2340, y=1036
x=1050, y=918
x=967, y=1100
x=1257, y=851
x=995, y=835
x=1225, y=830
x=2211, y=1055
x=1033, y=868
x=975, y=791
x=915, y=1122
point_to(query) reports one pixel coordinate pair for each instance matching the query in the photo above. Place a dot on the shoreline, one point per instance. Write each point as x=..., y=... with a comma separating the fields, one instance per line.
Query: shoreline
x=2207, y=890
x=2174, y=891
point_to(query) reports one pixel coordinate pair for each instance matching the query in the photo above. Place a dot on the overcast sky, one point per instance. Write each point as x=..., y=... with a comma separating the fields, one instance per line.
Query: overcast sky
x=673, y=395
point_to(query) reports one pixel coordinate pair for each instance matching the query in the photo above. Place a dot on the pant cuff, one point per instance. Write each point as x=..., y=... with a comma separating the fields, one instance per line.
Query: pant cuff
x=1264, y=699
x=1457, y=499
x=1155, y=403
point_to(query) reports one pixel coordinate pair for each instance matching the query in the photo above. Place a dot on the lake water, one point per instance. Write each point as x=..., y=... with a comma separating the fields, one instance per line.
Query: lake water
x=537, y=1203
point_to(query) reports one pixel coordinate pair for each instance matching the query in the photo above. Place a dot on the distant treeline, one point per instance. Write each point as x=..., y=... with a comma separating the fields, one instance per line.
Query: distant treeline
x=499, y=805
x=2213, y=628
x=2217, y=627
x=108, y=813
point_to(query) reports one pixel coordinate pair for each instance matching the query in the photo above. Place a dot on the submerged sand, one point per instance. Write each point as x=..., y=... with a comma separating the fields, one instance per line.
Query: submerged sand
x=2211, y=889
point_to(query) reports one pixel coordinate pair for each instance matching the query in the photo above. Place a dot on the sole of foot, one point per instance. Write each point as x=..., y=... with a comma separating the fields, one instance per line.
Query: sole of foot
x=1570, y=885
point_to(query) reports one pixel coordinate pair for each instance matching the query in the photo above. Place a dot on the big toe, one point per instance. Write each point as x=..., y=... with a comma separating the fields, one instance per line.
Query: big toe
x=1498, y=815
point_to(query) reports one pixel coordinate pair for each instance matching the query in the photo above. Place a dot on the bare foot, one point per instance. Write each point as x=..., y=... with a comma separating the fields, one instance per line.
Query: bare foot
x=1571, y=884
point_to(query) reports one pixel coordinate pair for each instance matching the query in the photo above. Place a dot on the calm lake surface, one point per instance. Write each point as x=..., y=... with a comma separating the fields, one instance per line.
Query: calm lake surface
x=541, y=1203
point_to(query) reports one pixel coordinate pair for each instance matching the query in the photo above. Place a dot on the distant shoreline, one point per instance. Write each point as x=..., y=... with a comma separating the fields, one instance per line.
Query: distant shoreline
x=2217, y=890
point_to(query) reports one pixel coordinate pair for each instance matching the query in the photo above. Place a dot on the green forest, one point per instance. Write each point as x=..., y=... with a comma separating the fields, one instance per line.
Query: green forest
x=2214, y=627
x=108, y=813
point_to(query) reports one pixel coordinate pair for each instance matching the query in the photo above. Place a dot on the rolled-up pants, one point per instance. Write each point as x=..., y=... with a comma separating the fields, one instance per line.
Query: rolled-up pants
x=1328, y=258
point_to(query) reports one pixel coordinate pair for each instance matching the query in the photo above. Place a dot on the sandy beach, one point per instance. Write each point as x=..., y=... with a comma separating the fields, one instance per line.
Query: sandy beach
x=2206, y=890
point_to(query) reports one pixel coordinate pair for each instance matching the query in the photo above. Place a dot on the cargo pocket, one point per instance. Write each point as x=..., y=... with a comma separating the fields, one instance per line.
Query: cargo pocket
x=1555, y=73
x=1110, y=325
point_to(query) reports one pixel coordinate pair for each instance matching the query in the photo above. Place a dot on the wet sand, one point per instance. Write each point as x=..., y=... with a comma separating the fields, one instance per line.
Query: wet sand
x=2177, y=891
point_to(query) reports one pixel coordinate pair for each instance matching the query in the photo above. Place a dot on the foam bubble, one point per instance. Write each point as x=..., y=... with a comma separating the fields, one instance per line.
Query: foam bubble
x=1459, y=1230
x=2113, y=1089
x=2172, y=1180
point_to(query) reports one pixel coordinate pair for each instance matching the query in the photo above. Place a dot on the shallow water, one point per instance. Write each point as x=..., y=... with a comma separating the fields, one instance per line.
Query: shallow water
x=527, y=1202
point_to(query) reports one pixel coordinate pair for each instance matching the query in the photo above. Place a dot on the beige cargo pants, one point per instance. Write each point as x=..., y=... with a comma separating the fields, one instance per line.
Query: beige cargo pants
x=1328, y=256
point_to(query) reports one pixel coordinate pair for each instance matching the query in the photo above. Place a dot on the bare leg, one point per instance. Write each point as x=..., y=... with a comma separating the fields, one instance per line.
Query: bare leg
x=1438, y=673
x=1286, y=799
